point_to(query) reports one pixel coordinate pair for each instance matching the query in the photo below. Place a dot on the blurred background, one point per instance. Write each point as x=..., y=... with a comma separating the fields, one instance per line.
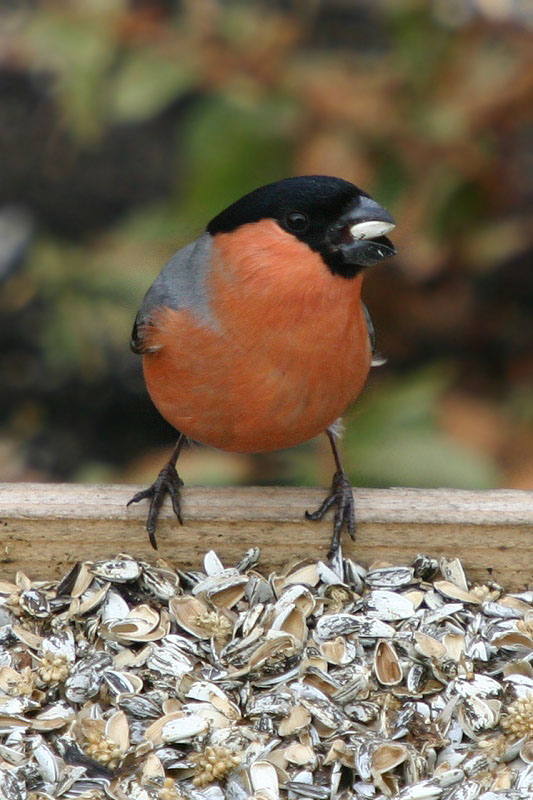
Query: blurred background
x=125, y=125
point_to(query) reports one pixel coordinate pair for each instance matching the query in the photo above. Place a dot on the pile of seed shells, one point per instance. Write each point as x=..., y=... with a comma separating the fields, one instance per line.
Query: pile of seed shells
x=139, y=681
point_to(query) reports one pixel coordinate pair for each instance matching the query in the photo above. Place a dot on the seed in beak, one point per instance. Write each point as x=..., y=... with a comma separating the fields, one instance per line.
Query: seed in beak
x=371, y=229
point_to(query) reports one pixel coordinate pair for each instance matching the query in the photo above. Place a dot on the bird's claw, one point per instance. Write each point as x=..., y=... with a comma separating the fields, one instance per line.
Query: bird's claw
x=167, y=482
x=341, y=495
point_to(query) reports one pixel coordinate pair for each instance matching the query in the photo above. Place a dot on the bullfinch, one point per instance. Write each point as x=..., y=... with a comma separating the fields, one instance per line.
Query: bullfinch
x=254, y=337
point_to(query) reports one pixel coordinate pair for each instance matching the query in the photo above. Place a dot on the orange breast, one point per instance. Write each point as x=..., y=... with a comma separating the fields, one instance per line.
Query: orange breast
x=289, y=351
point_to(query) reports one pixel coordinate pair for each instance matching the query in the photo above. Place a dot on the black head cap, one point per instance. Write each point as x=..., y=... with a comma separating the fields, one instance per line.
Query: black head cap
x=320, y=211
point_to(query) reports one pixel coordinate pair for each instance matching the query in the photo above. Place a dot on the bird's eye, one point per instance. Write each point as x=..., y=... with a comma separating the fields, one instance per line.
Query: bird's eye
x=296, y=221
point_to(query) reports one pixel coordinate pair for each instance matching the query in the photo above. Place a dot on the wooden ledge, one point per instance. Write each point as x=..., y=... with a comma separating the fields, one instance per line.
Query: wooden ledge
x=47, y=527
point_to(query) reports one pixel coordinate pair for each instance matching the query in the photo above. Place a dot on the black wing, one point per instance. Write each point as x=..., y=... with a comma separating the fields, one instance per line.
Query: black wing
x=136, y=342
x=371, y=329
x=377, y=359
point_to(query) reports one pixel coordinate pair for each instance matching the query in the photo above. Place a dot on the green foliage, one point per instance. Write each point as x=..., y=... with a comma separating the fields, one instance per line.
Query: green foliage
x=80, y=52
x=88, y=304
x=145, y=82
x=393, y=438
x=231, y=148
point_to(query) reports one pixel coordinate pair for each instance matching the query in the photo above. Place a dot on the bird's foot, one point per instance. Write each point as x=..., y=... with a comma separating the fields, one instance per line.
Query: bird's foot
x=341, y=495
x=167, y=482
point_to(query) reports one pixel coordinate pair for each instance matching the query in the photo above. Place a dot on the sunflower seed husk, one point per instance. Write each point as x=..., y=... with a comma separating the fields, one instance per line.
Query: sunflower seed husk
x=325, y=681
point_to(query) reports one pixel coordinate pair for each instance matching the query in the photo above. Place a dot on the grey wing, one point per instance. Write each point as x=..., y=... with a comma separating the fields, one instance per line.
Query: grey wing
x=180, y=284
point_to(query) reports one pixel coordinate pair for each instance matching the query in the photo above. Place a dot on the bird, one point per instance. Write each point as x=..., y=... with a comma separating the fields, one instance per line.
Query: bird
x=254, y=337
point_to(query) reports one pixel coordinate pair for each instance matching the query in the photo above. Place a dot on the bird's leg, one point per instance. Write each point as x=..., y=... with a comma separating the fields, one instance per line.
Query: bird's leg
x=167, y=482
x=341, y=495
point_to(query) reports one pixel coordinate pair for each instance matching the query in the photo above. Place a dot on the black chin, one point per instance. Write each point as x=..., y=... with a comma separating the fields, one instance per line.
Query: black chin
x=350, y=258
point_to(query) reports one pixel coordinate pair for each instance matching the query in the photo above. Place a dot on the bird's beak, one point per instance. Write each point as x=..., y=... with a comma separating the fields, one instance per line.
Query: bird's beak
x=359, y=235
